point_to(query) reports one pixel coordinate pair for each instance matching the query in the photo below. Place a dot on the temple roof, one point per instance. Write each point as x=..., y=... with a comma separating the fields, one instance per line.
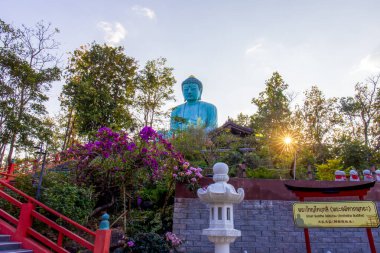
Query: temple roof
x=236, y=129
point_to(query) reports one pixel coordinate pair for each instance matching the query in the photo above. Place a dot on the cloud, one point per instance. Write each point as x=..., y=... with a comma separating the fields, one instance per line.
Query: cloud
x=254, y=49
x=114, y=33
x=144, y=11
x=369, y=64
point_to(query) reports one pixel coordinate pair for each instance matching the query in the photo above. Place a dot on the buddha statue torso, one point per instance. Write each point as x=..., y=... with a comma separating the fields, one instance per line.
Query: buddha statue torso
x=193, y=112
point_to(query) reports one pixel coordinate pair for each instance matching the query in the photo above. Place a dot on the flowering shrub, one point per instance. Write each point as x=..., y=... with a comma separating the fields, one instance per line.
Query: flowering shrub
x=135, y=169
x=172, y=239
x=115, y=158
x=152, y=242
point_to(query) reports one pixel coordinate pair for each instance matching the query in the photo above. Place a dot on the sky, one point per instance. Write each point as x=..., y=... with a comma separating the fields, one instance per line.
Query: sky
x=233, y=47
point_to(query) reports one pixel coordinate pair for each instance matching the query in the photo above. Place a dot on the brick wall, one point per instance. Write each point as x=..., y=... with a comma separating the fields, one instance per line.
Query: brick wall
x=266, y=224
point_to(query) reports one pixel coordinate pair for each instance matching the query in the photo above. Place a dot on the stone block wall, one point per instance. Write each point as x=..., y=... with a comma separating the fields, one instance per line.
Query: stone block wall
x=266, y=225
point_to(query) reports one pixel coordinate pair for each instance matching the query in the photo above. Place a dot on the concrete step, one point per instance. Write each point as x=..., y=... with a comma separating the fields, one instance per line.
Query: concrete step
x=5, y=238
x=6, y=246
x=17, y=251
x=9, y=245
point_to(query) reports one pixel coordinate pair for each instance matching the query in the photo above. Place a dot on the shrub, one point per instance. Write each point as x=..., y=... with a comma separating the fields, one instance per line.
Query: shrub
x=149, y=243
x=115, y=160
x=70, y=200
x=261, y=173
x=25, y=184
x=326, y=171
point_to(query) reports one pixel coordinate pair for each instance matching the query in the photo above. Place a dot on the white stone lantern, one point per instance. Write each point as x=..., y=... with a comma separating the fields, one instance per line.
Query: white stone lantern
x=220, y=196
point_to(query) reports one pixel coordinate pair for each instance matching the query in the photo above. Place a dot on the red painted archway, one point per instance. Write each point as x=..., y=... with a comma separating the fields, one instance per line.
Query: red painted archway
x=324, y=189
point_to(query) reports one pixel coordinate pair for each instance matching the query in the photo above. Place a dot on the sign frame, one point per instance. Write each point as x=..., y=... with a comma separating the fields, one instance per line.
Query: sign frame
x=338, y=214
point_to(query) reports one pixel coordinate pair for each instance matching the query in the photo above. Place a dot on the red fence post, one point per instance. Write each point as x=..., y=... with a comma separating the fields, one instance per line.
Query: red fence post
x=11, y=169
x=102, y=241
x=25, y=221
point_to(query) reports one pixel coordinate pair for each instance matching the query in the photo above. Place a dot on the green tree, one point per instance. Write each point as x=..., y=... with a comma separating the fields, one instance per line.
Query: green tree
x=190, y=143
x=272, y=123
x=362, y=109
x=318, y=117
x=28, y=66
x=243, y=120
x=99, y=88
x=354, y=153
x=66, y=124
x=155, y=87
x=272, y=107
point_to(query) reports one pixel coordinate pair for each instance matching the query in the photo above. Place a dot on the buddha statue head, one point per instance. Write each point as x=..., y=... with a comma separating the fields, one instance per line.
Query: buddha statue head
x=192, y=89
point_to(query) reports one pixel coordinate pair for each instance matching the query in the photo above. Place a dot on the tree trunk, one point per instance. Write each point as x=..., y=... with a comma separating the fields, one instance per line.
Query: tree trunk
x=309, y=172
x=2, y=150
x=366, y=134
x=15, y=130
x=71, y=134
x=67, y=131
x=124, y=211
x=11, y=147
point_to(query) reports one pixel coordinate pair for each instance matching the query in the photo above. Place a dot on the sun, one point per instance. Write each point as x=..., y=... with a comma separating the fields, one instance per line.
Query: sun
x=288, y=140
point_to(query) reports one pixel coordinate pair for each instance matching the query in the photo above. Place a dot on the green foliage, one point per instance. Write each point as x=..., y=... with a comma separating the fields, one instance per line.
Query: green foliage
x=27, y=69
x=144, y=221
x=190, y=143
x=230, y=149
x=25, y=184
x=58, y=193
x=302, y=173
x=243, y=120
x=70, y=200
x=272, y=122
x=362, y=111
x=262, y=173
x=155, y=193
x=154, y=87
x=252, y=159
x=318, y=116
x=28, y=183
x=355, y=154
x=272, y=106
x=232, y=158
x=100, y=88
x=150, y=242
x=326, y=171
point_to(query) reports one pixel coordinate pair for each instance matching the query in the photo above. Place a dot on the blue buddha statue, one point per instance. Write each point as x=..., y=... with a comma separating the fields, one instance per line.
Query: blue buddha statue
x=193, y=112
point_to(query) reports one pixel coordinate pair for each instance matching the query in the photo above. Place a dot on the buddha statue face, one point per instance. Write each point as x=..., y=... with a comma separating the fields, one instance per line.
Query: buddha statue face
x=191, y=92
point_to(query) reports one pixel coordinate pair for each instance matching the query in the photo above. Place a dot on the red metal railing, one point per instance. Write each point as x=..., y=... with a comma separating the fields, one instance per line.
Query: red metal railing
x=8, y=176
x=23, y=225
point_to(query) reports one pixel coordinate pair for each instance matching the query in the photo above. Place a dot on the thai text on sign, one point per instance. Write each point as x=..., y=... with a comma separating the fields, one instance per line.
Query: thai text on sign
x=336, y=214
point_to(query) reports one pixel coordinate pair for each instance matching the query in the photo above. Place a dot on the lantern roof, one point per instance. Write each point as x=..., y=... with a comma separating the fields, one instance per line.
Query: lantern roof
x=221, y=192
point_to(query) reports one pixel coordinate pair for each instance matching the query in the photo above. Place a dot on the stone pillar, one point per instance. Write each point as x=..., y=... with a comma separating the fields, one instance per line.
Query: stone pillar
x=220, y=196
